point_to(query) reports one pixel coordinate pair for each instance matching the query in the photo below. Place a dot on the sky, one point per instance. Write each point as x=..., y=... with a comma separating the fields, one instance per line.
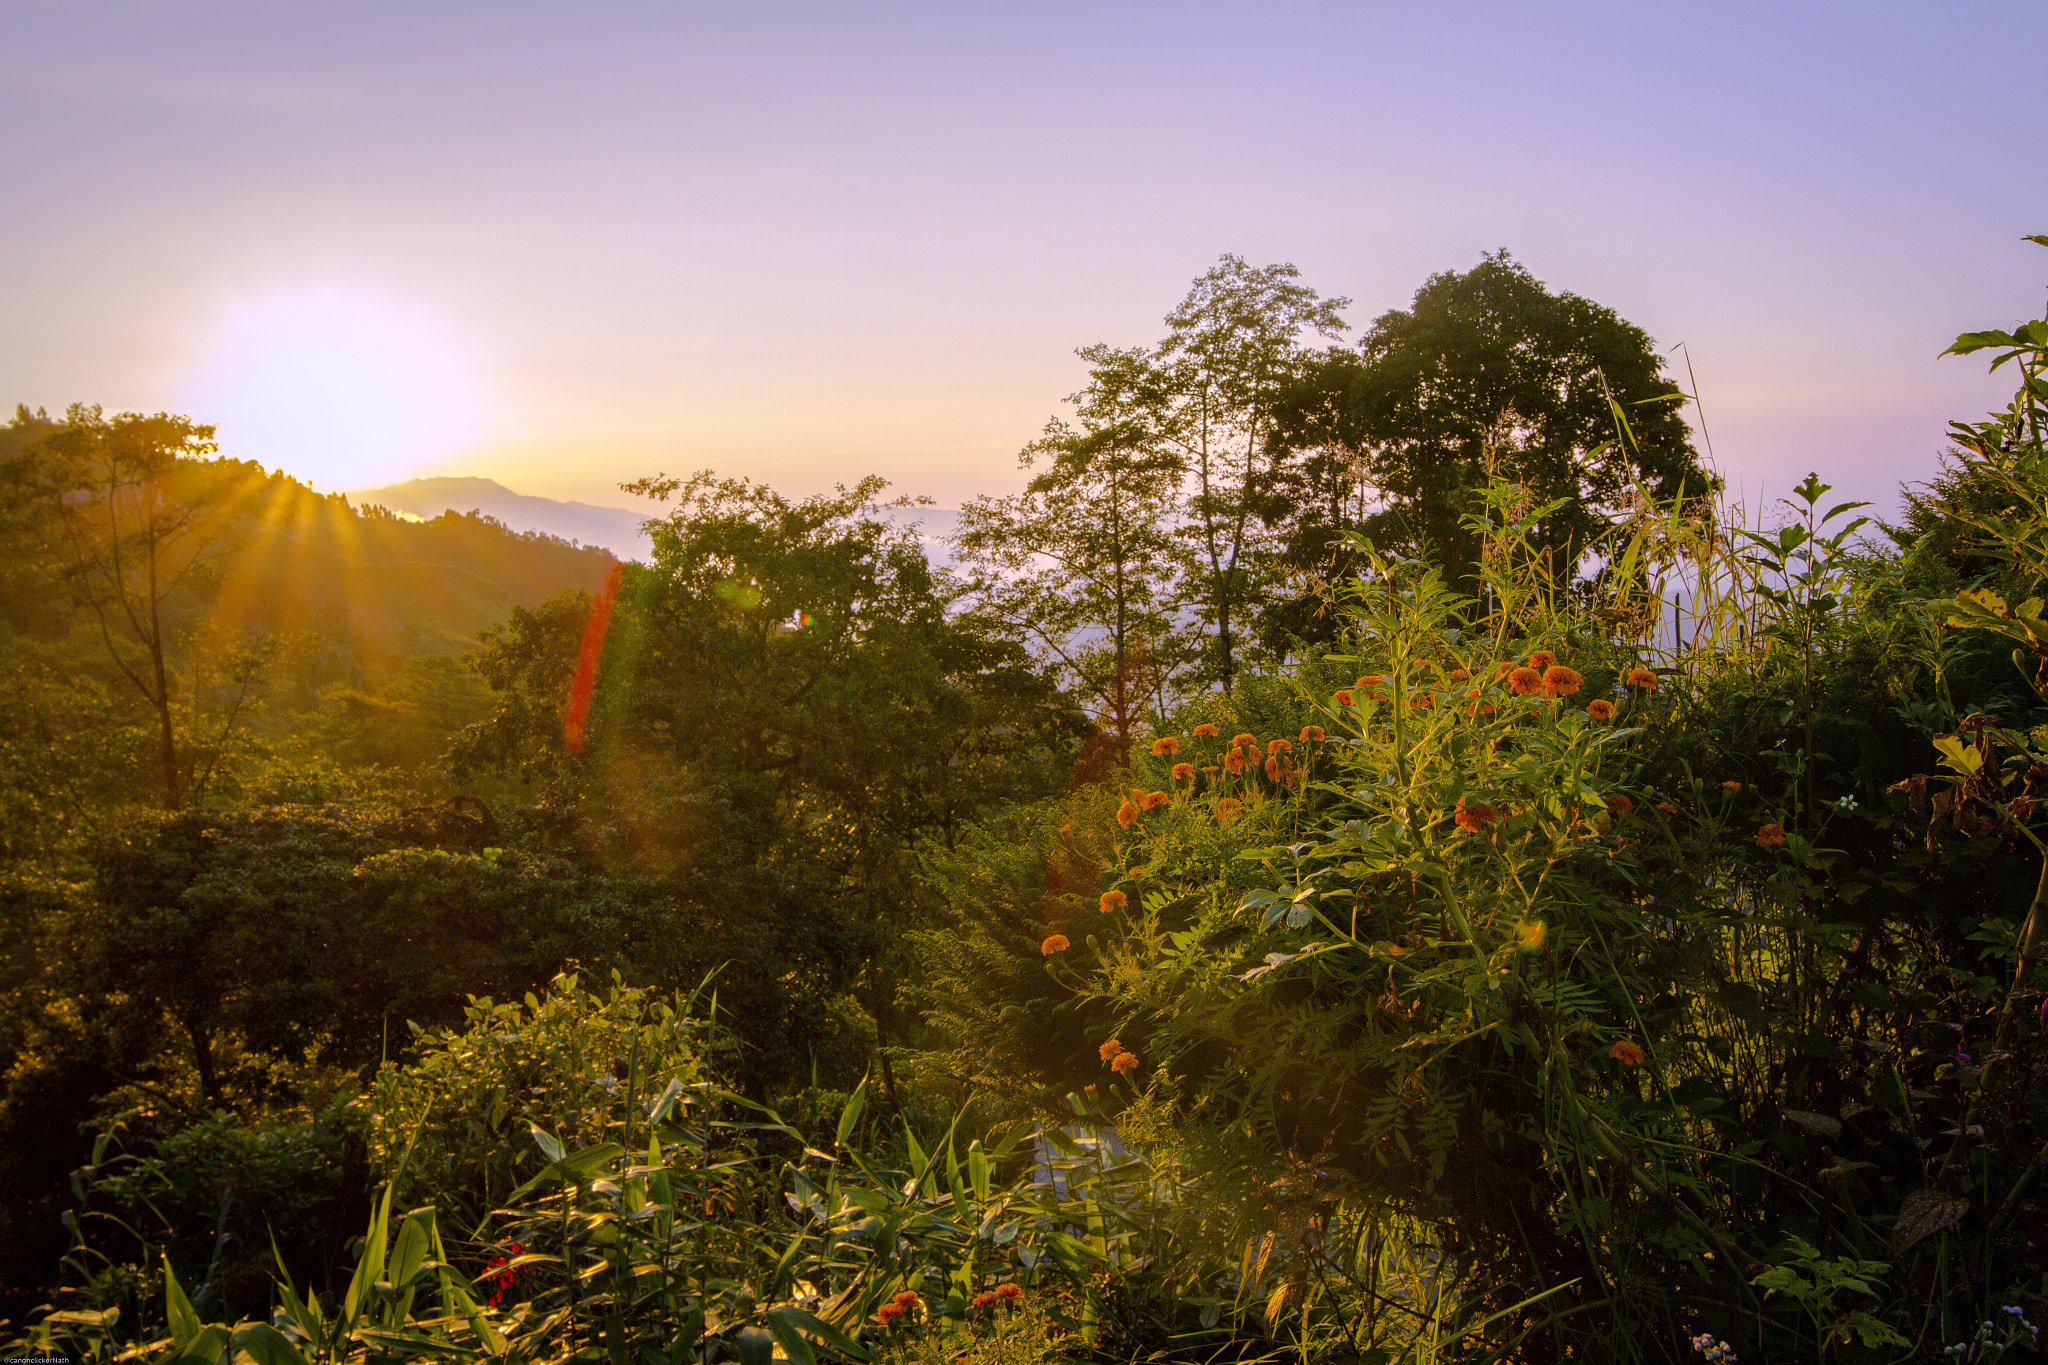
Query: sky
x=567, y=246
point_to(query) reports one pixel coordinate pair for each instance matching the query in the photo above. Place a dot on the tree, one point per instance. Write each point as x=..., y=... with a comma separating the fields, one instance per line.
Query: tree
x=1081, y=564
x=786, y=686
x=1208, y=395
x=1486, y=370
x=125, y=535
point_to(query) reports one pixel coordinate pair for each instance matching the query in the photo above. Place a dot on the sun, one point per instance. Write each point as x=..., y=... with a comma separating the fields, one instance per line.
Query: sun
x=340, y=390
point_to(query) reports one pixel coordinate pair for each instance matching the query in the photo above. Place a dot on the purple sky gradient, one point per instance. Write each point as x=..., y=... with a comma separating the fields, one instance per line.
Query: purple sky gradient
x=808, y=243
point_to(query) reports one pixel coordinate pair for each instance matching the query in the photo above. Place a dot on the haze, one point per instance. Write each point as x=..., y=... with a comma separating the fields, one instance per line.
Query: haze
x=563, y=248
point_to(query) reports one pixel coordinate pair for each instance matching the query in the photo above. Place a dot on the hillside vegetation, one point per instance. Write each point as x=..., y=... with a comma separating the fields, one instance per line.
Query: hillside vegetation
x=1367, y=858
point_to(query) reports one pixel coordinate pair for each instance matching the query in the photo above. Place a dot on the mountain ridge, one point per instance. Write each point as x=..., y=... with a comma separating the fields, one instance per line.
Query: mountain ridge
x=616, y=529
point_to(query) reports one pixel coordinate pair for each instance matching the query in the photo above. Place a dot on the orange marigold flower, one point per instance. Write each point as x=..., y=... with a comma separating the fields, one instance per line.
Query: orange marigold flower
x=1643, y=678
x=1154, y=800
x=1227, y=809
x=1559, y=681
x=1312, y=734
x=1110, y=1049
x=1770, y=836
x=1731, y=786
x=987, y=1298
x=1234, y=760
x=1011, y=1293
x=1459, y=675
x=1124, y=1063
x=1113, y=901
x=1279, y=746
x=1369, y=680
x=1204, y=731
x=1600, y=709
x=1252, y=740
x=1165, y=746
x=1525, y=682
x=1474, y=819
x=1667, y=808
x=1424, y=702
x=1344, y=697
x=1627, y=1053
x=907, y=1298
x=1126, y=813
x=1054, y=943
x=1620, y=804
x=1273, y=768
x=1542, y=659
x=888, y=1313
x=1183, y=772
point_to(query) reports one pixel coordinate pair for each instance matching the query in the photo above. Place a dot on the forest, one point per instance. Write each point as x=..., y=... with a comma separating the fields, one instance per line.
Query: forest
x=1370, y=856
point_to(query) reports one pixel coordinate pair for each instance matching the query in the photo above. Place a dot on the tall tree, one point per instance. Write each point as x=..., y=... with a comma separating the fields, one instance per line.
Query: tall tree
x=1234, y=347
x=1081, y=564
x=1486, y=371
x=127, y=537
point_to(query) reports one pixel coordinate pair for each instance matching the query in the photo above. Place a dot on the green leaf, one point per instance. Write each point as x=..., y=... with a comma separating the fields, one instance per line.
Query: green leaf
x=184, y=1321
x=798, y=1319
x=573, y=1169
x=265, y=1345
x=850, y=1115
x=204, y=1349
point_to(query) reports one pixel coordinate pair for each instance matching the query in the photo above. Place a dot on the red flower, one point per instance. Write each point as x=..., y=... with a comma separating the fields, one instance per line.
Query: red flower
x=1474, y=819
x=506, y=1282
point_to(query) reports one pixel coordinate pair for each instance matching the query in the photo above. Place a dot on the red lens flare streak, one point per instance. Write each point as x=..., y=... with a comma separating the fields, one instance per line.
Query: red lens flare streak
x=577, y=713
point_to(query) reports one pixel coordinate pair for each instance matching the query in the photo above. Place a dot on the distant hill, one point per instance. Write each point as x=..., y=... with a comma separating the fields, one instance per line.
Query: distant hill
x=615, y=528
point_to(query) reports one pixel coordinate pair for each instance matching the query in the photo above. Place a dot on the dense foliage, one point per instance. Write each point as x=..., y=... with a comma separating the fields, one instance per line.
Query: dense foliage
x=1368, y=862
